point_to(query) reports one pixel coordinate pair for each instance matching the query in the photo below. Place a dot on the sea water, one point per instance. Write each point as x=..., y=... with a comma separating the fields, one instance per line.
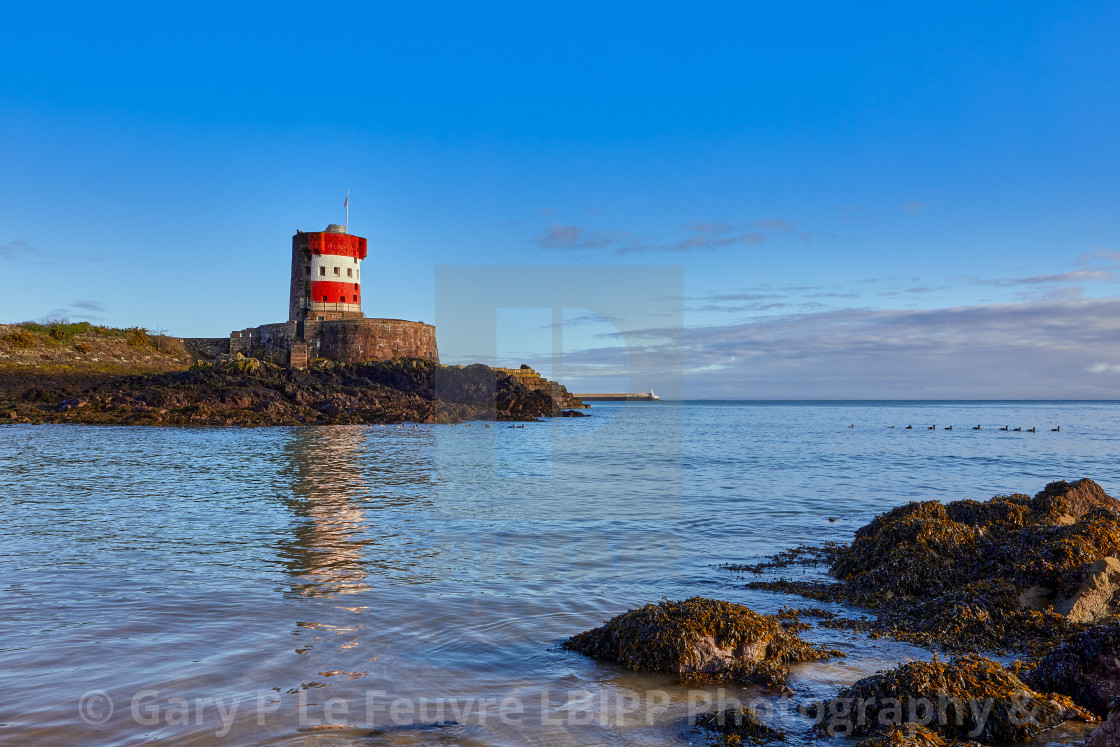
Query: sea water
x=411, y=584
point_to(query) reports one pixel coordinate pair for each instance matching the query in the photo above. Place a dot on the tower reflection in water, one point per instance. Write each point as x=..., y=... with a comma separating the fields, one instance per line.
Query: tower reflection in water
x=348, y=485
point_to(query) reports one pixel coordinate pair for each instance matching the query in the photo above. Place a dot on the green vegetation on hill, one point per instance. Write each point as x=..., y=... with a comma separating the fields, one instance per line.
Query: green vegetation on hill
x=62, y=331
x=66, y=346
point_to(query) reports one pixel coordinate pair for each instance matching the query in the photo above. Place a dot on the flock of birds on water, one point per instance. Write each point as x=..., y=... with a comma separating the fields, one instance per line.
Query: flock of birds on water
x=976, y=428
x=468, y=425
x=853, y=425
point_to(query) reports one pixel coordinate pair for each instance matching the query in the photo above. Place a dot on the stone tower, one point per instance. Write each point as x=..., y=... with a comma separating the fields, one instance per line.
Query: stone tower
x=325, y=318
x=326, y=275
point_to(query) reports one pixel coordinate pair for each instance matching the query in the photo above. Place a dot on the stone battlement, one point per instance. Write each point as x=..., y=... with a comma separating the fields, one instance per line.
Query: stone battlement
x=343, y=340
x=530, y=379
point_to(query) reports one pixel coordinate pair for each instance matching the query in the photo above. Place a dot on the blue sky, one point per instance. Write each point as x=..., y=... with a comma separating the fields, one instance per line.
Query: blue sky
x=866, y=201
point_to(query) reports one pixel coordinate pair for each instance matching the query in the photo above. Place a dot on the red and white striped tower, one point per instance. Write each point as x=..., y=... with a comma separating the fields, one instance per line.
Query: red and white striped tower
x=326, y=275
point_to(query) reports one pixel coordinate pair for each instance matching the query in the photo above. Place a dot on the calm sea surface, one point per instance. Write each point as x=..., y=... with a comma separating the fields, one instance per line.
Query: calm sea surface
x=364, y=585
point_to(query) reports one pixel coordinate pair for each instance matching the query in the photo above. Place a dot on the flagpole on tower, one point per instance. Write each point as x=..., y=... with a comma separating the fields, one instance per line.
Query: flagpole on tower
x=346, y=204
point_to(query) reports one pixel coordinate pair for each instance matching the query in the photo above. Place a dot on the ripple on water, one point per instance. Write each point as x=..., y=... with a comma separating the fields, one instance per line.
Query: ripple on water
x=292, y=570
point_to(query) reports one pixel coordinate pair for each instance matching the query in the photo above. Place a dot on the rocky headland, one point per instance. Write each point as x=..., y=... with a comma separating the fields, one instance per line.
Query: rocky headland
x=77, y=373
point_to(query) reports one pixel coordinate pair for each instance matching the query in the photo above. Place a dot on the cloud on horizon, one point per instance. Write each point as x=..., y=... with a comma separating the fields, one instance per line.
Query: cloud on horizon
x=765, y=298
x=1036, y=350
x=1062, y=278
x=1106, y=254
x=1104, y=368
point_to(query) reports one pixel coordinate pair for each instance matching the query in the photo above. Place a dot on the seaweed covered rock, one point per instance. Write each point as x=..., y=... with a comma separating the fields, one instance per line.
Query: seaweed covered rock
x=1011, y=573
x=910, y=735
x=985, y=615
x=236, y=390
x=970, y=697
x=236, y=363
x=913, y=550
x=735, y=726
x=700, y=638
x=1044, y=547
x=1086, y=668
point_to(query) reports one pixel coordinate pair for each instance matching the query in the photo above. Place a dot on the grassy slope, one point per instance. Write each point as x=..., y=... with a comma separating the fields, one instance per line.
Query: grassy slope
x=84, y=349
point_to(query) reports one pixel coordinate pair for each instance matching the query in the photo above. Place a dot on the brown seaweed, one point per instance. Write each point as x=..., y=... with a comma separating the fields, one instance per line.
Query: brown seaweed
x=737, y=726
x=676, y=636
x=969, y=575
x=969, y=697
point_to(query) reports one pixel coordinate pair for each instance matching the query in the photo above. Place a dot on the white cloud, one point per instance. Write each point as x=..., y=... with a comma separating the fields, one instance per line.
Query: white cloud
x=1039, y=350
x=1104, y=368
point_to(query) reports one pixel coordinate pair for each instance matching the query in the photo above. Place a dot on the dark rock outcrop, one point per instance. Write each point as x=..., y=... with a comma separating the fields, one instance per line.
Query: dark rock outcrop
x=970, y=697
x=1108, y=733
x=247, y=391
x=1087, y=668
x=737, y=726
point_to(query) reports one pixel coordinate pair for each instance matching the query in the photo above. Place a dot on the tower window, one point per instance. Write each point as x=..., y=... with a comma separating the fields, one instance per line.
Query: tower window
x=324, y=299
x=355, y=299
x=323, y=271
x=349, y=272
x=355, y=286
x=336, y=272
